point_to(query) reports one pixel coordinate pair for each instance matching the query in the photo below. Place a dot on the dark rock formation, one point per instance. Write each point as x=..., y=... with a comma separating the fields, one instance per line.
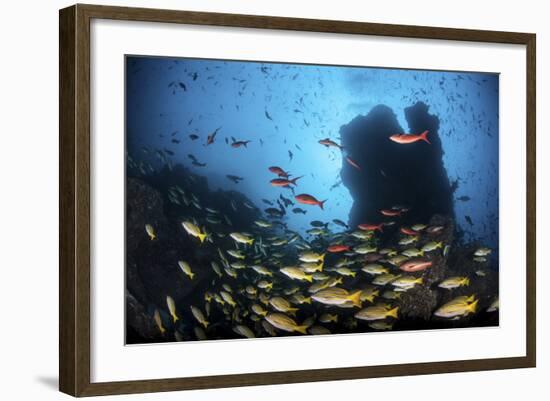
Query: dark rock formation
x=393, y=174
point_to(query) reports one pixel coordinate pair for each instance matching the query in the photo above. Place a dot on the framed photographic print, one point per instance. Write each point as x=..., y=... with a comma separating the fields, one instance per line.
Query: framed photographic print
x=262, y=188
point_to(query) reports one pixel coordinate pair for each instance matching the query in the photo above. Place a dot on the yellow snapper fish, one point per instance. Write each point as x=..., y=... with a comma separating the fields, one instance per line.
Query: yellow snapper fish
x=197, y=313
x=263, y=223
x=150, y=231
x=377, y=312
x=318, y=330
x=312, y=257
x=368, y=294
x=383, y=279
x=419, y=227
x=397, y=260
x=238, y=265
x=158, y=321
x=269, y=329
x=264, y=298
x=456, y=308
x=362, y=235
x=230, y=271
x=494, y=306
x=216, y=268
x=364, y=249
x=193, y=230
x=244, y=331
x=282, y=305
x=172, y=308
x=345, y=271
x=328, y=318
x=413, y=252
x=479, y=259
x=480, y=273
x=409, y=240
x=184, y=266
x=228, y=298
x=337, y=296
x=251, y=290
x=296, y=273
x=454, y=282
x=380, y=325
x=285, y=323
x=236, y=253
x=258, y=310
x=432, y=246
x=265, y=285
x=242, y=238
x=406, y=282
x=320, y=276
x=311, y=267
x=262, y=270
x=388, y=251
x=375, y=269
x=199, y=333
x=300, y=299
x=481, y=252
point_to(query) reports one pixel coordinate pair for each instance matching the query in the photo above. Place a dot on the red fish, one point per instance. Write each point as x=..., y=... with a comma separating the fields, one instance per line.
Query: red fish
x=328, y=143
x=279, y=171
x=390, y=212
x=338, y=248
x=309, y=200
x=283, y=182
x=238, y=144
x=353, y=163
x=410, y=138
x=416, y=265
x=408, y=231
x=371, y=227
x=210, y=138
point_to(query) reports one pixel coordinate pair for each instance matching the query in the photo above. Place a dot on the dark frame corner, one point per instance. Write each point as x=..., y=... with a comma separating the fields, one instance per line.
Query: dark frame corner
x=74, y=199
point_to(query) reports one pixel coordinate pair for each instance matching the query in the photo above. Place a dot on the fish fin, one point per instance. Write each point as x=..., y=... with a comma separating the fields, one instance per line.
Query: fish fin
x=424, y=137
x=355, y=298
x=301, y=329
x=322, y=203
x=393, y=312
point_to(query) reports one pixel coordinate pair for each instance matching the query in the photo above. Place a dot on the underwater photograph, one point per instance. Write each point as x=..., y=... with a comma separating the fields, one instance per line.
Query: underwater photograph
x=276, y=199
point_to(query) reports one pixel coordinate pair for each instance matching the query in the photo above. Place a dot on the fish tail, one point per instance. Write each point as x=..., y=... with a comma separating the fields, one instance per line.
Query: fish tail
x=420, y=280
x=424, y=137
x=250, y=241
x=206, y=323
x=293, y=181
x=307, y=300
x=353, y=274
x=467, y=281
x=393, y=312
x=176, y=318
x=355, y=298
x=301, y=329
x=191, y=275
x=322, y=203
x=309, y=279
x=472, y=307
x=381, y=227
x=422, y=252
x=202, y=237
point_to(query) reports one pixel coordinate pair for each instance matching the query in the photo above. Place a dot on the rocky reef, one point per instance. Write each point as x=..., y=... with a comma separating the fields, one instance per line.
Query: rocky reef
x=392, y=174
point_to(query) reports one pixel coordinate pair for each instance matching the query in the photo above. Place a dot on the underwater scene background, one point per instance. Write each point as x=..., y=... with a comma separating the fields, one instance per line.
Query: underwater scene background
x=273, y=199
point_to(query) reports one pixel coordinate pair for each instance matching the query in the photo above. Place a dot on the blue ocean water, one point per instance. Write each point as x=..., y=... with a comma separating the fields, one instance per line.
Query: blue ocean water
x=285, y=109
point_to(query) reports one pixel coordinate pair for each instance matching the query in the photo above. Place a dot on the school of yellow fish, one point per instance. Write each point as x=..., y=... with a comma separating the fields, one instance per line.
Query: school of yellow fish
x=271, y=281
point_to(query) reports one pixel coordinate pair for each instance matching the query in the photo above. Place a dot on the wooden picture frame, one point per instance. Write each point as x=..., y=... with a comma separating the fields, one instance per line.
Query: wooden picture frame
x=74, y=204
